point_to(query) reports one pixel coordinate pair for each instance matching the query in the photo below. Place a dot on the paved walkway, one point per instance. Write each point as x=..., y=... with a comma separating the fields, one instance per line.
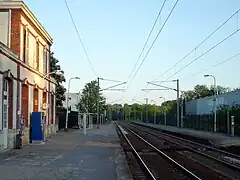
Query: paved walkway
x=69, y=156
x=215, y=138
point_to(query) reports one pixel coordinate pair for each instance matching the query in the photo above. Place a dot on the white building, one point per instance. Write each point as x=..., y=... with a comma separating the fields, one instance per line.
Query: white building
x=25, y=85
x=73, y=101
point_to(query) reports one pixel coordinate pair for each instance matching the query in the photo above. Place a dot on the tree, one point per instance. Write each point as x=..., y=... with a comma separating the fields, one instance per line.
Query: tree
x=201, y=91
x=60, y=90
x=88, y=102
x=220, y=89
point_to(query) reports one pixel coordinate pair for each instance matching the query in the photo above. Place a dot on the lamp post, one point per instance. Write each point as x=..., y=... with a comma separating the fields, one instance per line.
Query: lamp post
x=165, y=113
x=215, y=102
x=66, y=123
x=154, y=121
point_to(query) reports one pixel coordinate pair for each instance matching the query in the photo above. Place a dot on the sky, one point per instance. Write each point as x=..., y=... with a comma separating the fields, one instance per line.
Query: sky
x=114, y=32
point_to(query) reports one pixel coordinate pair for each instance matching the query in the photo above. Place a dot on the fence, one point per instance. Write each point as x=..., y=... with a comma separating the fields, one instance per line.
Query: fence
x=205, y=122
x=198, y=122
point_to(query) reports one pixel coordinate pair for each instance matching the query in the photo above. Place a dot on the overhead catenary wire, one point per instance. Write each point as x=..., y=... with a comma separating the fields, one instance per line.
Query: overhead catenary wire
x=215, y=65
x=149, y=35
x=153, y=43
x=202, y=42
x=79, y=38
x=145, y=44
x=203, y=54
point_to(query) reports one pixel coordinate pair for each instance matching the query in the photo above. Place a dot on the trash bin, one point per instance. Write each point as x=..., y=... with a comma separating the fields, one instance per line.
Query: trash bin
x=18, y=141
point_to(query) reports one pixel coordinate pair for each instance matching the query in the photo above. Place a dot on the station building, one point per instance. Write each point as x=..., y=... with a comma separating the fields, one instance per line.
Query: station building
x=25, y=83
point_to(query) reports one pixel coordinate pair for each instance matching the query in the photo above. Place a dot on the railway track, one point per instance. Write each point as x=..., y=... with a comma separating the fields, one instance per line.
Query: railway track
x=152, y=162
x=225, y=164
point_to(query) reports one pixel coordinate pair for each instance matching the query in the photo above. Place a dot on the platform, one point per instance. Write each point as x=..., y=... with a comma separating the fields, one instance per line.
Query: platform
x=217, y=139
x=69, y=155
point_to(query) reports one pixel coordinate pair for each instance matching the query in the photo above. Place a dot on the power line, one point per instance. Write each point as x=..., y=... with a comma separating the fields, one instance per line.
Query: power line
x=110, y=80
x=79, y=37
x=153, y=42
x=149, y=35
x=213, y=47
x=215, y=65
x=190, y=52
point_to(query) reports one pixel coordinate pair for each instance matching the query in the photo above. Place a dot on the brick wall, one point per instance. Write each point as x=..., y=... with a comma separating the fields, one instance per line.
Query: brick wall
x=15, y=31
x=44, y=97
x=25, y=103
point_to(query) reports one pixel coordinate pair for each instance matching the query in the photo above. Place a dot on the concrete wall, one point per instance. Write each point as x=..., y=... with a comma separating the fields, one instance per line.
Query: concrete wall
x=205, y=105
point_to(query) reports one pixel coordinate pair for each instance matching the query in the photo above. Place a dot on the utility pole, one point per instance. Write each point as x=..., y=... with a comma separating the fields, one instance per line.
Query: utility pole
x=178, y=103
x=168, y=88
x=182, y=105
x=146, y=110
x=135, y=113
x=155, y=113
x=98, y=103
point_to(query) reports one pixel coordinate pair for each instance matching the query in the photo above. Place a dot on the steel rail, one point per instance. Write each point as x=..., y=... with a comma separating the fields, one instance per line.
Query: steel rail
x=186, y=140
x=136, y=153
x=167, y=137
x=165, y=155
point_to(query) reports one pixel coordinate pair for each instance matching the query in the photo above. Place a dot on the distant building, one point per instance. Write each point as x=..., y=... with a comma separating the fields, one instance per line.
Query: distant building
x=205, y=105
x=25, y=84
x=74, y=100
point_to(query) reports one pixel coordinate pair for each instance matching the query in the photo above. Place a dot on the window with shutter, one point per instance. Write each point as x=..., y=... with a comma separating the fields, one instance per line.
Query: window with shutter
x=44, y=61
x=27, y=48
x=37, y=55
x=24, y=44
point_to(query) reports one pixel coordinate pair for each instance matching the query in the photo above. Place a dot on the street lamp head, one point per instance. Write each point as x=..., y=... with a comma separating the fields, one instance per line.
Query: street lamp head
x=206, y=75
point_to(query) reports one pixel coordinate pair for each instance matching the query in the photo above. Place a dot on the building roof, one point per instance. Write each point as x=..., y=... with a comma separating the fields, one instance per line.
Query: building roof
x=18, y=4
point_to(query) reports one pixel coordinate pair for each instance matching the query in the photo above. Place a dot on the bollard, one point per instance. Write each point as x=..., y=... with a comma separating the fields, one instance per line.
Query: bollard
x=232, y=127
x=84, y=124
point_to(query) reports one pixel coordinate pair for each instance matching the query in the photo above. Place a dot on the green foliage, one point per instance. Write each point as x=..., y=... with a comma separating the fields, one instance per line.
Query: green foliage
x=60, y=90
x=170, y=107
x=88, y=102
x=201, y=91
